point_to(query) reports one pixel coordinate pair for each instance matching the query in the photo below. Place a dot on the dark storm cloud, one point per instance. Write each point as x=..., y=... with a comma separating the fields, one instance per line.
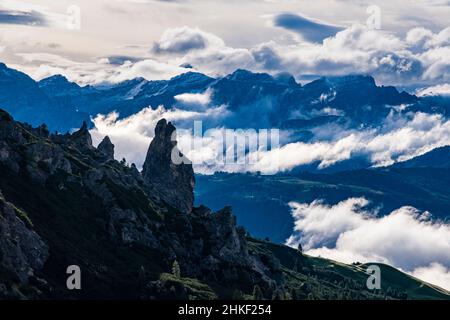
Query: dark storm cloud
x=32, y=18
x=308, y=29
x=119, y=60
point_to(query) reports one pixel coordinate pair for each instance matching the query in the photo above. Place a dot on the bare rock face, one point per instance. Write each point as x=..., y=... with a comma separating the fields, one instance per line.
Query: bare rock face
x=82, y=138
x=172, y=182
x=22, y=250
x=106, y=148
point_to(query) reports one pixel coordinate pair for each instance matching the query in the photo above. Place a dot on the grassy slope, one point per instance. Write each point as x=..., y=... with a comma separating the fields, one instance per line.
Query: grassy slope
x=321, y=275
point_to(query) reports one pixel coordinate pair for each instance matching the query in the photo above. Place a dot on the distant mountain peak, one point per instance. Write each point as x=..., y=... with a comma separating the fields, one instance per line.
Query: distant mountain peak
x=54, y=77
x=246, y=75
x=438, y=158
x=190, y=76
x=351, y=79
x=286, y=78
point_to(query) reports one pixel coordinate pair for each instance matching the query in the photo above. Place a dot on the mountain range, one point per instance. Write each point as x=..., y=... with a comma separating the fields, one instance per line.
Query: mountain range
x=256, y=100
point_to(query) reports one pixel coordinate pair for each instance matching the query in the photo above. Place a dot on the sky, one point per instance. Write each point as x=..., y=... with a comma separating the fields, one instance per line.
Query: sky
x=405, y=43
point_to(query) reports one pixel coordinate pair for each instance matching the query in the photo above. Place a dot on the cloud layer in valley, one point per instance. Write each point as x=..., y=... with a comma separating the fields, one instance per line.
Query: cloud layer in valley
x=349, y=232
x=398, y=139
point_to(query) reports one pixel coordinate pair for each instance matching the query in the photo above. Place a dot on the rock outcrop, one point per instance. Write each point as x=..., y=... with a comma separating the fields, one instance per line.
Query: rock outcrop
x=82, y=138
x=167, y=171
x=22, y=251
x=106, y=148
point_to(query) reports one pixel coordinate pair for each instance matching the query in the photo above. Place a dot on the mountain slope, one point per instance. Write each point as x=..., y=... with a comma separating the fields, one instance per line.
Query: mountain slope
x=437, y=158
x=22, y=97
x=65, y=202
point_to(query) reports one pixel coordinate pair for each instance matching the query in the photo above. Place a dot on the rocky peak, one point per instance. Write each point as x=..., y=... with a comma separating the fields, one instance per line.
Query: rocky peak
x=82, y=138
x=5, y=116
x=172, y=182
x=287, y=79
x=245, y=75
x=106, y=148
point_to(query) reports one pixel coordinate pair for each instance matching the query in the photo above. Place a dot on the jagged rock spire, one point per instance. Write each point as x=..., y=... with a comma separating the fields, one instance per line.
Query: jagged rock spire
x=106, y=148
x=82, y=138
x=172, y=182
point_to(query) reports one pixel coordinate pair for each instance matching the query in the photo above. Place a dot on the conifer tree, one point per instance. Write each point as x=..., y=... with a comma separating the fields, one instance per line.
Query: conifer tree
x=176, y=269
x=257, y=293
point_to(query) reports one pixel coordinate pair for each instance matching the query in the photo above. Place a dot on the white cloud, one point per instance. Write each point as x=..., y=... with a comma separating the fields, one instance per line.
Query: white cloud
x=398, y=140
x=438, y=90
x=419, y=57
x=194, y=100
x=99, y=71
x=148, y=69
x=348, y=232
x=434, y=273
x=423, y=38
x=356, y=49
x=438, y=64
x=184, y=39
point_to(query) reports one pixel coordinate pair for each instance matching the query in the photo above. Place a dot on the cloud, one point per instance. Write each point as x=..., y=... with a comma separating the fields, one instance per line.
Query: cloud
x=438, y=64
x=308, y=29
x=422, y=38
x=356, y=49
x=194, y=101
x=29, y=14
x=435, y=273
x=438, y=90
x=348, y=232
x=103, y=70
x=149, y=69
x=218, y=61
x=399, y=139
x=183, y=40
x=32, y=18
x=119, y=60
x=418, y=58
